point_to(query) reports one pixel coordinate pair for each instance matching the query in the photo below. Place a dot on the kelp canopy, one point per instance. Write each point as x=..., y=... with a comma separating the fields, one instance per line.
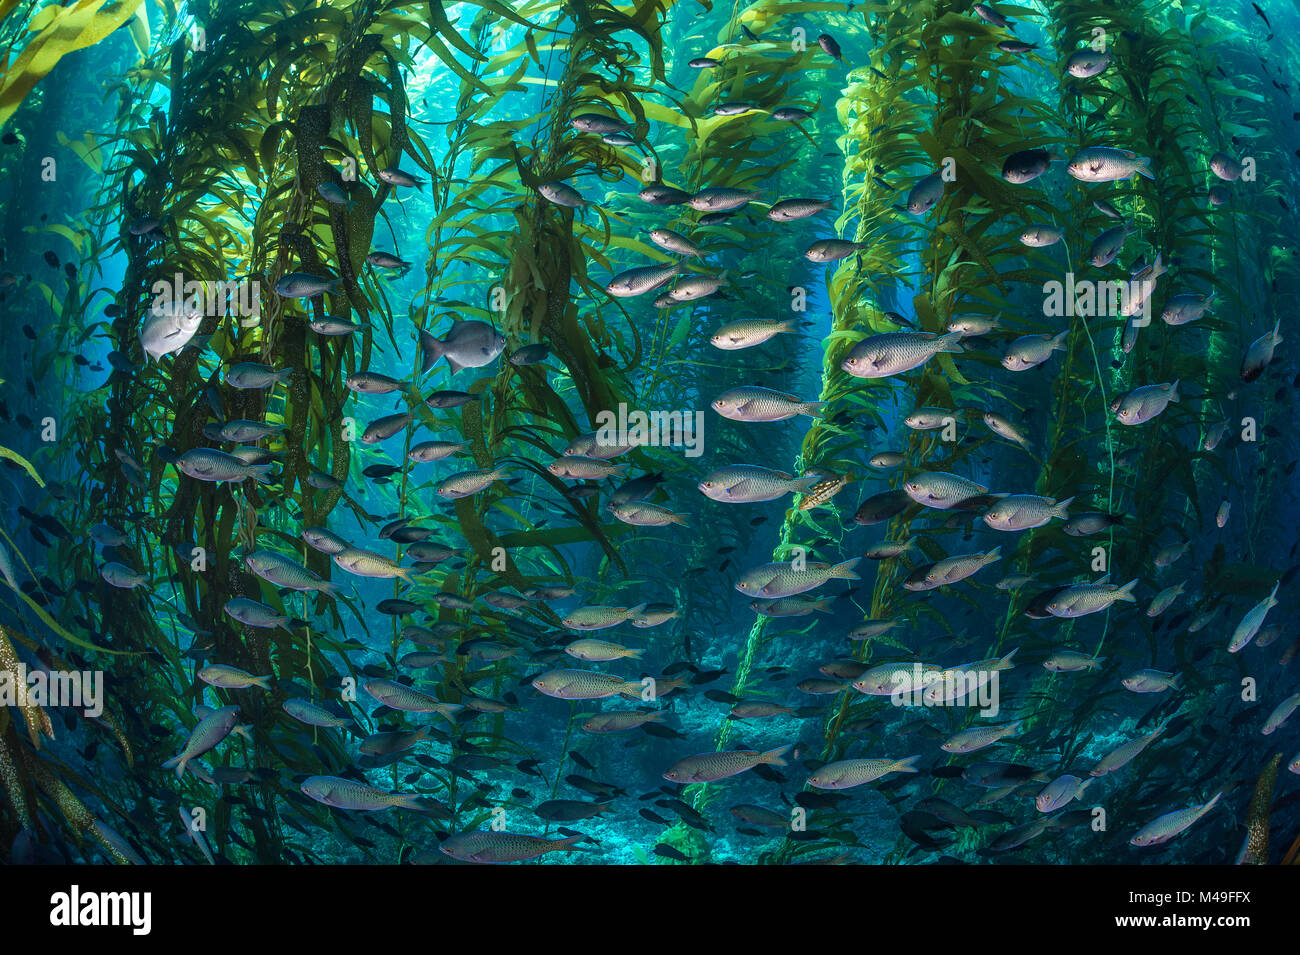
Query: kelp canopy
x=336, y=195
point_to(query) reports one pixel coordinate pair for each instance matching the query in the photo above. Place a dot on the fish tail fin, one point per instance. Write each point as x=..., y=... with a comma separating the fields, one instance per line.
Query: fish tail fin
x=1143, y=167
x=1062, y=509
x=773, y=756
x=431, y=348
x=1277, y=327
x=1058, y=341
x=801, y=484
x=845, y=571
x=259, y=473
x=993, y=556
x=786, y=326
x=408, y=801
x=1008, y=661
x=1177, y=681
x=951, y=342
x=1126, y=592
x=907, y=765
x=812, y=408
x=263, y=681
x=567, y=844
x=633, y=653
x=823, y=605
x=679, y=519
x=284, y=375
x=1015, y=727
x=636, y=611
x=1213, y=802
x=1173, y=391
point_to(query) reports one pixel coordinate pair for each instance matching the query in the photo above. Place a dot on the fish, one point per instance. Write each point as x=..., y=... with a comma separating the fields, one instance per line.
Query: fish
x=1163, y=828
x=950, y=570
x=1186, y=307
x=1225, y=167
x=1021, y=512
x=791, y=210
x=1152, y=681
x=824, y=251
x=206, y=736
x=641, y=280
x=1040, y=236
x=1260, y=353
x=942, y=490
x=232, y=678
x=468, y=483
x=307, y=712
x=925, y=195
x=1107, y=246
x=1252, y=622
x=209, y=464
x=1120, y=757
x=1030, y=351
x=749, y=483
x=1281, y=713
x=1061, y=791
x=304, y=285
x=980, y=736
x=1087, y=63
x=398, y=696
x=583, y=685
x=562, y=194
x=787, y=580
x=1078, y=600
x=1026, y=165
x=341, y=793
x=892, y=353
x=282, y=571
x=1142, y=404
x=711, y=767
x=674, y=242
x=493, y=847
x=752, y=403
x=169, y=328
x=1106, y=164
x=748, y=333
x=468, y=344
x=253, y=375
x=849, y=773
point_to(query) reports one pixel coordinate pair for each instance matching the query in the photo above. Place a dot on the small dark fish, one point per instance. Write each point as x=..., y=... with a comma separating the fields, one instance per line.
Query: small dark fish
x=530, y=354
x=668, y=852
x=827, y=43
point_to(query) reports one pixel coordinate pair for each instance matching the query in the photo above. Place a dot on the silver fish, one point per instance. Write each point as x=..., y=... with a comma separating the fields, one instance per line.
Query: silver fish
x=892, y=353
x=468, y=344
